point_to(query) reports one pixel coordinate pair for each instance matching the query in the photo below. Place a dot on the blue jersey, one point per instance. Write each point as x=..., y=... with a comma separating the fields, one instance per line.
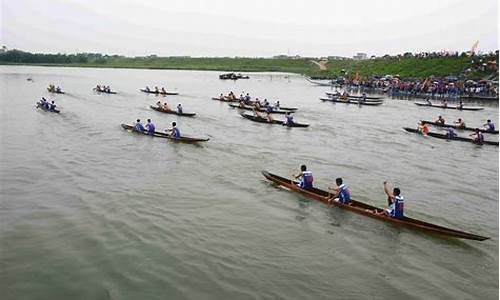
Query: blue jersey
x=344, y=194
x=307, y=180
x=397, y=208
x=450, y=133
x=139, y=127
x=491, y=126
x=179, y=109
x=269, y=109
x=151, y=128
x=289, y=120
x=176, y=133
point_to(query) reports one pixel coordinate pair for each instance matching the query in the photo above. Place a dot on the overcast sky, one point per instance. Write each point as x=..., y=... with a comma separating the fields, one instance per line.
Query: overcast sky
x=248, y=28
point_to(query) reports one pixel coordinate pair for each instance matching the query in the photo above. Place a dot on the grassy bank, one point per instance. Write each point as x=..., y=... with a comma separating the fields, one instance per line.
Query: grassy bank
x=405, y=67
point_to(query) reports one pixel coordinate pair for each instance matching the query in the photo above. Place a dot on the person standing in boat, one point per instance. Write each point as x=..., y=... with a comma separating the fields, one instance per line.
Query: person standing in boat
x=440, y=120
x=174, y=131
x=138, y=125
x=460, y=123
x=477, y=137
x=150, y=127
x=490, y=126
x=341, y=192
x=396, y=203
x=179, y=108
x=306, y=178
x=288, y=119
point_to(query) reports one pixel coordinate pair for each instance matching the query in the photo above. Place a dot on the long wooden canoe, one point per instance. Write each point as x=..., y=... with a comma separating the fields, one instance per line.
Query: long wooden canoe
x=183, y=139
x=353, y=96
x=55, y=110
x=226, y=99
x=265, y=120
x=449, y=106
x=103, y=92
x=54, y=91
x=159, y=93
x=483, y=130
x=444, y=137
x=173, y=112
x=368, y=210
x=262, y=109
x=353, y=101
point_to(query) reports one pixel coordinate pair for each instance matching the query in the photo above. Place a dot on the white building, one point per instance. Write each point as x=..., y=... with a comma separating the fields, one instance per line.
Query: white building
x=360, y=56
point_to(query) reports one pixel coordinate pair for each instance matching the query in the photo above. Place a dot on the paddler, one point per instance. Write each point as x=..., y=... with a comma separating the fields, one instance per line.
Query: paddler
x=138, y=125
x=247, y=99
x=159, y=105
x=306, y=178
x=157, y=91
x=490, y=126
x=460, y=123
x=257, y=104
x=288, y=119
x=424, y=128
x=52, y=106
x=341, y=192
x=478, y=137
x=179, y=108
x=440, y=120
x=445, y=103
x=150, y=127
x=277, y=105
x=396, y=203
x=166, y=107
x=147, y=89
x=174, y=131
x=450, y=133
x=269, y=111
x=460, y=105
x=163, y=91
x=221, y=97
x=428, y=101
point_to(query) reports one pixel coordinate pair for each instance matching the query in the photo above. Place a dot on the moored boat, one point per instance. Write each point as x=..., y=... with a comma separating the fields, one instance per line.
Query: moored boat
x=460, y=128
x=173, y=112
x=372, y=211
x=456, y=138
x=449, y=106
x=353, y=101
x=184, y=139
x=159, y=93
x=265, y=120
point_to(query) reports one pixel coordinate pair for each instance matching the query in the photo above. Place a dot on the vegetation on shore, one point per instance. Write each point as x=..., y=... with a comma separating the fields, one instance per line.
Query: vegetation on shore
x=461, y=66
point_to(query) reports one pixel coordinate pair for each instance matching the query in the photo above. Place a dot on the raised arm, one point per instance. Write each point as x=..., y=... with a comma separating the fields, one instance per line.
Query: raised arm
x=387, y=192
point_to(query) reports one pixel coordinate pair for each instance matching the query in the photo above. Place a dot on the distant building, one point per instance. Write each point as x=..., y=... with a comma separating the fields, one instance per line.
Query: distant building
x=337, y=58
x=360, y=56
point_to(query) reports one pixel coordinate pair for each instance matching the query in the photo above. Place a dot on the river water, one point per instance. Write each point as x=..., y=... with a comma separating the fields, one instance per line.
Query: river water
x=90, y=211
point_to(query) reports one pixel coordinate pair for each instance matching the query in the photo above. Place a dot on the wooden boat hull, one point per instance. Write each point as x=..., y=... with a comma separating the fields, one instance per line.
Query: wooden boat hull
x=459, y=128
x=159, y=93
x=247, y=107
x=182, y=139
x=449, y=106
x=173, y=112
x=444, y=137
x=225, y=99
x=370, y=103
x=103, y=92
x=47, y=110
x=264, y=120
x=354, y=97
x=368, y=210
x=55, y=92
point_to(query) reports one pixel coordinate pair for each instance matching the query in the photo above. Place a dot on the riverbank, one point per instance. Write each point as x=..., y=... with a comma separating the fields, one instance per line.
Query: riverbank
x=406, y=67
